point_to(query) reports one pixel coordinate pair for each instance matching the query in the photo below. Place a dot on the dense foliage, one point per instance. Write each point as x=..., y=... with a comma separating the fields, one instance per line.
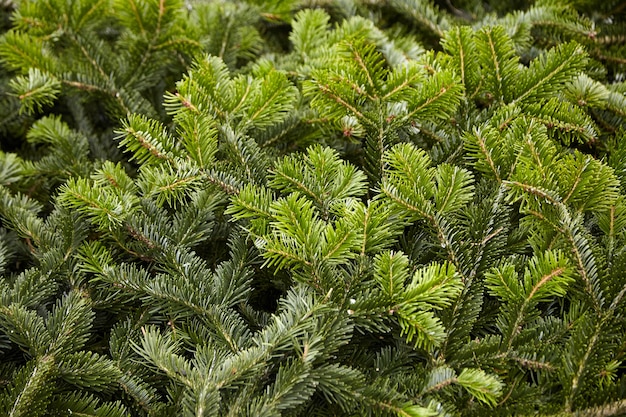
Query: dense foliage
x=312, y=208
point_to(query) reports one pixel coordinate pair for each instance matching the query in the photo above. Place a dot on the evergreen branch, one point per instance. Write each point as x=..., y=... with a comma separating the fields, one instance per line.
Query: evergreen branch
x=133, y=388
x=243, y=98
x=122, y=244
x=537, y=365
x=448, y=92
x=497, y=53
x=425, y=13
x=546, y=73
x=413, y=78
x=20, y=213
x=160, y=18
x=356, y=56
x=539, y=192
x=148, y=140
x=186, y=103
x=487, y=155
x=406, y=204
x=337, y=248
x=616, y=408
x=482, y=386
x=92, y=10
x=366, y=220
x=616, y=301
x=92, y=60
x=543, y=280
x=241, y=208
x=578, y=177
x=33, y=393
x=509, y=393
x=610, y=58
x=515, y=328
x=569, y=122
x=583, y=256
x=107, y=92
x=352, y=84
x=138, y=19
x=224, y=43
x=484, y=151
x=462, y=57
x=388, y=406
x=505, y=288
x=226, y=186
x=37, y=90
x=326, y=90
x=579, y=246
x=461, y=45
x=497, y=202
x=440, y=385
x=581, y=366
x=267, y=103
x=493, y=239
x=299, y=185
x=436, y=222
x=21, y=52
x=285, y=254
x=87, y=87
x=454, y=188
x=145, y=143
x=160, y=351
x=178, y=183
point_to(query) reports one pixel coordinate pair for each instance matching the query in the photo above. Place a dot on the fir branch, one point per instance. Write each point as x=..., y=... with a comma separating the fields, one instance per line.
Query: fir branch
x=546, y=73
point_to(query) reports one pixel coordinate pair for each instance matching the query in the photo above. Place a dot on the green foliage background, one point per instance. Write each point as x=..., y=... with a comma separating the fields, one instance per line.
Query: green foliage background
x=312, y=207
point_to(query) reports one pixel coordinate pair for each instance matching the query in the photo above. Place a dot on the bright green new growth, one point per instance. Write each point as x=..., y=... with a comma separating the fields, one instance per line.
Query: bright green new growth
x=328, y=208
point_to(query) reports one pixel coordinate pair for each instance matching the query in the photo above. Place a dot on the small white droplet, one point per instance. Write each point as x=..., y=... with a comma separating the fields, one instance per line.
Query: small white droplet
x=352, y=301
